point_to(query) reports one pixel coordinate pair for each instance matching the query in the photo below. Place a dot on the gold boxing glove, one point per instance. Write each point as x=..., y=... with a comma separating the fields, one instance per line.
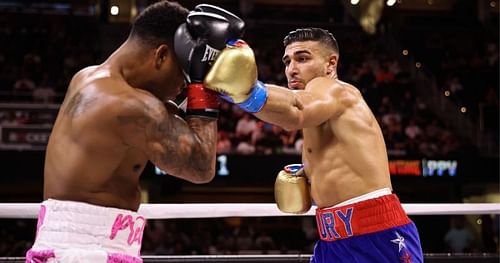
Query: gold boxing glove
x=234, y=75
x=292, y=190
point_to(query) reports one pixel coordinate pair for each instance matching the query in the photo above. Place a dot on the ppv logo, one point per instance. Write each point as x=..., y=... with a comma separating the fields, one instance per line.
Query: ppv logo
x=210, y=54
x=439, y=167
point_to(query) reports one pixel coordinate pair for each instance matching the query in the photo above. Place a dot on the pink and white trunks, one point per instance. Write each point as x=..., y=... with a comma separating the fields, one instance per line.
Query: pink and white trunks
x=70, y=231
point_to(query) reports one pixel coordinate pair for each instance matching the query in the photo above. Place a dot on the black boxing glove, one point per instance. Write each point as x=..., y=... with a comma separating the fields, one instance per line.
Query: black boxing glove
x=197, y=44
x=236, y=24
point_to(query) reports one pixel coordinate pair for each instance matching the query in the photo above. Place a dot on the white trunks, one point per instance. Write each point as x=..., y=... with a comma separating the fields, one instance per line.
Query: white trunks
x=70, y=231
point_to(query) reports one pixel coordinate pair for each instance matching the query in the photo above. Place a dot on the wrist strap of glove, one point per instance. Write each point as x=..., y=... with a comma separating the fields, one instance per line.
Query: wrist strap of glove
x=256, y=99
x=296, y=169
x=202, y=101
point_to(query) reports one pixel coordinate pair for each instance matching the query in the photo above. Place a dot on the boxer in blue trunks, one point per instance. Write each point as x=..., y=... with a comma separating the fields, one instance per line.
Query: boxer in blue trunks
x=345, y=167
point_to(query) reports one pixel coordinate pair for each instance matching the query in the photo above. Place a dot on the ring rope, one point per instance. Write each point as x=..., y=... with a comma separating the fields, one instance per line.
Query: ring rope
x=172, y=211
x=293, y=258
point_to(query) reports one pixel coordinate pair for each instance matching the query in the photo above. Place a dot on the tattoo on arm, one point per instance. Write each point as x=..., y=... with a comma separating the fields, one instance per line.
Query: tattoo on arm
x=139, y=121
x=78, y=104
x=180, y=146
x=207, y=141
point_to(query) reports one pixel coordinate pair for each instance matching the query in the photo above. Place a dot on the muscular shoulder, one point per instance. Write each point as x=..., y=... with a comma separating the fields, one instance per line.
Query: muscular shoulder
x=111, y=99
x=138, y=107
x=338, y=91
x=115, y=94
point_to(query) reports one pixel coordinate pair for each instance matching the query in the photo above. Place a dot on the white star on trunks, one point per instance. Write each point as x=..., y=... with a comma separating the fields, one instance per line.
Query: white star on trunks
x=400, y=241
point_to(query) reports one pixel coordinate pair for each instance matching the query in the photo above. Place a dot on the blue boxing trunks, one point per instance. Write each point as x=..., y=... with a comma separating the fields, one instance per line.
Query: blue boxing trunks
x=372, y=230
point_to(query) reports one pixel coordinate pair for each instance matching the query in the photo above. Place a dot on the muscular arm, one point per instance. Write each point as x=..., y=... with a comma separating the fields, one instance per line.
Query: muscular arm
x=185, y=149
x=322, y=99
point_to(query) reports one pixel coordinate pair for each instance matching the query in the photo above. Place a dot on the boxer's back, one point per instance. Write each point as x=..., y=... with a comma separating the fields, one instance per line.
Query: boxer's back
x=346, y=156
x=86, y=160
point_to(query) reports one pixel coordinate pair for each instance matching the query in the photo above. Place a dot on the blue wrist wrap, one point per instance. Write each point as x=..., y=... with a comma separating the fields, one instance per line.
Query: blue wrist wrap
x=256, y=100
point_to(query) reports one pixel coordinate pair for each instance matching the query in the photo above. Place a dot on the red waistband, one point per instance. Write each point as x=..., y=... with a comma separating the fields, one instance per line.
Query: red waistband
x=360, y=218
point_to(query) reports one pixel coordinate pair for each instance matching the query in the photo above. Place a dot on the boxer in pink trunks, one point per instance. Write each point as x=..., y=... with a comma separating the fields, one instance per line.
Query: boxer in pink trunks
x=114, y=119
x=69, y=231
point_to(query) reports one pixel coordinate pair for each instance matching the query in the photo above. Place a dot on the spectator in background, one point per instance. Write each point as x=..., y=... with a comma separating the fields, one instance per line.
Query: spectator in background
x=224, y=144
x=489, y=234
x=412, y=130
x=264, y=242
x=245, y=126
x=9, y=119
x=244, y=240
x=459, y=239
x=23, y=87
x=384, y=75
x=44, y=92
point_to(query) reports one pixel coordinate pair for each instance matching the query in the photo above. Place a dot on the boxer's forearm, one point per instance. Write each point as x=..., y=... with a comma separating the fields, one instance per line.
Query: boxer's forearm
x=183, y=148
x=189, y=150
x=282, y=108
x=203, y=152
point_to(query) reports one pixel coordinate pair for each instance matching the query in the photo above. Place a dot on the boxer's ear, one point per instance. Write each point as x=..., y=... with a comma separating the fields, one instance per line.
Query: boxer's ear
x=161, y=53
x=332, y=63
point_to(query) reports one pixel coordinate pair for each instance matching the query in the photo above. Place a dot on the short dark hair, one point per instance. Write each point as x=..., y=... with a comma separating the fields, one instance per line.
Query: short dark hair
x=157, y=23
x=312, y=34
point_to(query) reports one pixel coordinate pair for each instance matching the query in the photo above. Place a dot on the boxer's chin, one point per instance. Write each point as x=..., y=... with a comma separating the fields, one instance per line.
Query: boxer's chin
x=295, y=85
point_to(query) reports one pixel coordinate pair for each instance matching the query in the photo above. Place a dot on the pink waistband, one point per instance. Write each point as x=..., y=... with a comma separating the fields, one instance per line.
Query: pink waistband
x=43, y=256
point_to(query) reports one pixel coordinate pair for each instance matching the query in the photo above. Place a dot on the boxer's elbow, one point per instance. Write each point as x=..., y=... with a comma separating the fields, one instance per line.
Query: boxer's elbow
x=203, y=178
x=197, y=173
x=188, y=162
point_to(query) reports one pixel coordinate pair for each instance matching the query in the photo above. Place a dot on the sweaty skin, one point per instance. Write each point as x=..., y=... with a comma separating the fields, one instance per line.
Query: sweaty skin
x=344, y=152
x=113, y=120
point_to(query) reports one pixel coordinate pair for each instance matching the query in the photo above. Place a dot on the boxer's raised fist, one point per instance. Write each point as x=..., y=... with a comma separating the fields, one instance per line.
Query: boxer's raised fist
x=197, y=43
x=234, y=74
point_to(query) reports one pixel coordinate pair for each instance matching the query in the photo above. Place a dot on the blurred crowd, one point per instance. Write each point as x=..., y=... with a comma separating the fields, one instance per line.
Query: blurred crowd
x=409, y=127
x=463, y=59
x=38, y=61
x=40, y=54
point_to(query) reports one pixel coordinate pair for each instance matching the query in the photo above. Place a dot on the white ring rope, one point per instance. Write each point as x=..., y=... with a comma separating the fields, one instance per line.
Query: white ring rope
x=171, y=211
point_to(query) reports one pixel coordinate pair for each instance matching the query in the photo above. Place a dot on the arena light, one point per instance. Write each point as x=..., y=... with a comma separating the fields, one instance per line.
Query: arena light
x=418, y=65
x=390, y=2
x=493, y=4
x=354, y=2
x=463, y=109
x=405, y=52
x=114, y=10
x=447, y=93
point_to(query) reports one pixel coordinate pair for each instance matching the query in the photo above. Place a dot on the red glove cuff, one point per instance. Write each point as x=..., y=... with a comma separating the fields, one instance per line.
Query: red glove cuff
x=202, y=101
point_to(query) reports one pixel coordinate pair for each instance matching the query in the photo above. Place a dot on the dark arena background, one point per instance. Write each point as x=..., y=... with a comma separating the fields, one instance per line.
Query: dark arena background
x=428, y=69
